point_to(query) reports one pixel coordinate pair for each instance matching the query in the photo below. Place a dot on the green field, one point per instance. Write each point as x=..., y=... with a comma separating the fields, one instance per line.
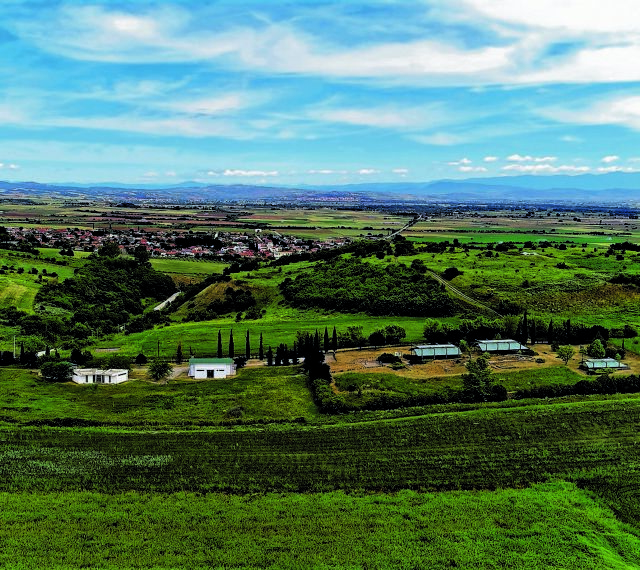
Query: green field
x=187, y=267
x=552, y=525
x=254, y=394
x=389, y=383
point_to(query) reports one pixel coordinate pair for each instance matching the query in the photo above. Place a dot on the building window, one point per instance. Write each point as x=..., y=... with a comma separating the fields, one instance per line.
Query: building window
x=210, y=374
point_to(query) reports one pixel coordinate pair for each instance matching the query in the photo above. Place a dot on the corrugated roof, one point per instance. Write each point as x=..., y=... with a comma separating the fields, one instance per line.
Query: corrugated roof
x=211, y=361
x=604, y=363
x=500, y=344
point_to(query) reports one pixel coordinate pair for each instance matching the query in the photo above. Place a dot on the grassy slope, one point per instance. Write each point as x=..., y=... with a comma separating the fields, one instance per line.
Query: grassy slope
x=553, y=525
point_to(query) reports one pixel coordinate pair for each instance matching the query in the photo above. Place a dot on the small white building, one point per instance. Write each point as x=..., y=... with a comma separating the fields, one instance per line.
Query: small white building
x=95, y=376
x=211, y=367
x=501, y=345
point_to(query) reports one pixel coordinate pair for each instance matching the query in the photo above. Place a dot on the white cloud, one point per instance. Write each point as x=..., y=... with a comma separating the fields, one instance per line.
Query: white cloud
x=610, y=158
x=528, y=158
x=9, y=166
x=368, y=171
x=623, y=111
x=606, y=169
x=438, y=139
x=401, y=171
x=250, y=173
x=472, y=169
x=325, y=171
x=545, y=168
x=462, y=161
x=490, y=158
x=568, y=16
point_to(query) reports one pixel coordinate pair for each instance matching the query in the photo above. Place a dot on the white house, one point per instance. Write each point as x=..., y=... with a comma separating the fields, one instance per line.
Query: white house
x=95, y=376
x=211, y=367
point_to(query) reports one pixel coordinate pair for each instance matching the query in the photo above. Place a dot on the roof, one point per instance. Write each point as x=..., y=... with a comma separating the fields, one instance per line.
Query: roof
x=436, y=350
x=500, y=344
x=94, y=371
x=211, y=361
x=604, y=363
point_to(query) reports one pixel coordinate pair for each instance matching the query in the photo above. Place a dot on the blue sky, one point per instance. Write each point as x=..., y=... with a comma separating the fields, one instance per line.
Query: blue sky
x=294, y=92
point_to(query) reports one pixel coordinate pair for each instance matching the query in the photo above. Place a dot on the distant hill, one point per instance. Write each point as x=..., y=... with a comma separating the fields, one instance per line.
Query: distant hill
x=615, y=187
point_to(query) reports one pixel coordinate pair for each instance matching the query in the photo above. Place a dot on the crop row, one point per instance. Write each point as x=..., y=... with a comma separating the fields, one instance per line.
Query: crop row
x=483, y=449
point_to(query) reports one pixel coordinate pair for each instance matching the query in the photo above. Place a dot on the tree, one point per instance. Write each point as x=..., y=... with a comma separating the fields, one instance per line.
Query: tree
x=326, y=340
x=334, y=340
x=141, y=254
x=478, y=377
x=596, y=350
x=160, y=370
x=376, y=338
x=219, y=344
x=141, y=359
x=247, y=347
x=231, y=346
x=60, y=371
x=109, y=249
x=628, y=332
x=179, y=353
x=565, y=353
x=269, y=357
x=261, y=349
x=393, y=334
x=464, y=347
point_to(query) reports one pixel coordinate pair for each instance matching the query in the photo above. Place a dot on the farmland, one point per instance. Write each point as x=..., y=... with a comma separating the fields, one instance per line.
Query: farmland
x=269, y=478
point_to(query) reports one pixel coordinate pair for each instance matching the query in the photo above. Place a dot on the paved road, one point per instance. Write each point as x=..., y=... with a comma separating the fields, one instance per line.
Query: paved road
x=165, y=303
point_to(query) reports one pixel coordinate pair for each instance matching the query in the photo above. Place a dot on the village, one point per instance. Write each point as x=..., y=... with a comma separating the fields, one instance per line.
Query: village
x=169, y=243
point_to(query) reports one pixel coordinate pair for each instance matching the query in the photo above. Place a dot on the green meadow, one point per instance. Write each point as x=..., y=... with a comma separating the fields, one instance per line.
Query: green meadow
x=550, y=525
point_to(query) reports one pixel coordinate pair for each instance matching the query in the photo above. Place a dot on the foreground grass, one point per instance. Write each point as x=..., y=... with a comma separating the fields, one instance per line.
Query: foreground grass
x=554, y=525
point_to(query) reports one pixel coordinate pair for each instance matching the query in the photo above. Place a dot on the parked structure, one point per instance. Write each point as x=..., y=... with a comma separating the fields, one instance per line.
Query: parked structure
x=501, y=345
x=436, y=350
x=593, y=364
x=96, y=376
x=211, y=367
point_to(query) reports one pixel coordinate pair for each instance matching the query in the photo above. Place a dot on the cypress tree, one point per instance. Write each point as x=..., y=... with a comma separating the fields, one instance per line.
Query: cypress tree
x=334, y=340
x=316, y=341
x=231, y=347
x=269, y=357
x=22, y=353
x=551, y=335
x=525, y=328
x=533, y=331
x=326, y=340
x=261, y=349
x=219, y=344
x=179, y=353
x=247, y=348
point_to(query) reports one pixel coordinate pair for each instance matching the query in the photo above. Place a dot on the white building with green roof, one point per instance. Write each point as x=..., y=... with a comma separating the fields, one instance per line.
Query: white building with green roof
x=202, y=368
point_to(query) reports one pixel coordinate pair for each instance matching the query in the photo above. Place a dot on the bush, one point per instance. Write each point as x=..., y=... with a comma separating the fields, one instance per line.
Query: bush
x=388, y=358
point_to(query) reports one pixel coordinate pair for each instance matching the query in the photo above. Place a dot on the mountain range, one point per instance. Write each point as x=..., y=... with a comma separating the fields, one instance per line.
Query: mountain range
x=616, y=187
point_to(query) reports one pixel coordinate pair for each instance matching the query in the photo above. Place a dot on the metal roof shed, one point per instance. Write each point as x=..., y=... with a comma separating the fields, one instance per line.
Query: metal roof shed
x=435, y=350
x=596, y=363
x=500, y=345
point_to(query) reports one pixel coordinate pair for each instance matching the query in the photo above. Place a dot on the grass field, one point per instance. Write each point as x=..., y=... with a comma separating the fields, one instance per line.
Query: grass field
x=389, y=383
x=254, y=394
x=551, y=525
x=187, y=267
